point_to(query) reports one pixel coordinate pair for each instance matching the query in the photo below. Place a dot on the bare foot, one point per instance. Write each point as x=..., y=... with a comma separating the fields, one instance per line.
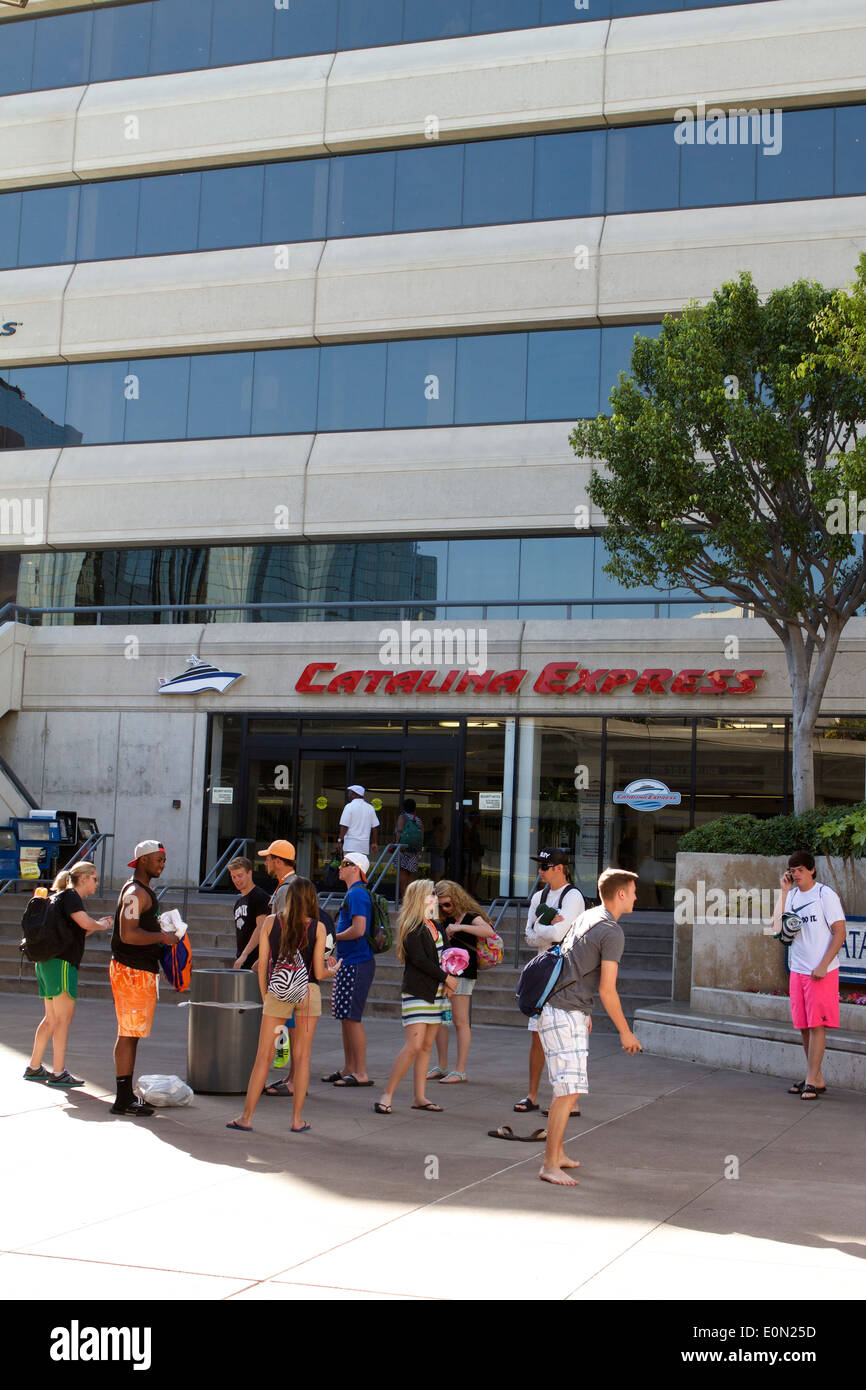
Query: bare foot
x=568, y=1163
x=557, y=1177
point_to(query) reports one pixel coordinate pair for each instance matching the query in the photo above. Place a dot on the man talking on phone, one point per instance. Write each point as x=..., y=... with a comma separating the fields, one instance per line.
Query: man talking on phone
x=814, y=964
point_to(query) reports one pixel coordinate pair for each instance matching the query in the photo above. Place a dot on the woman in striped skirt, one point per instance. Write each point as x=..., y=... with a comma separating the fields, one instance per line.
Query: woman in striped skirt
x=426, y=992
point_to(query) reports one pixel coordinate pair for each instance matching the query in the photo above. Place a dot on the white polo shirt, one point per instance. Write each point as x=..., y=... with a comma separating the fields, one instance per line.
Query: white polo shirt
x=358, y=818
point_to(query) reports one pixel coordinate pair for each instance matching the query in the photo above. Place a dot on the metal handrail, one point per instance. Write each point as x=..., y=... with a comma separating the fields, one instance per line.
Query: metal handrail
x=213, y=875
x=373, y=880
x=176, y=888
x=98, y=840
x=504, y=906
x=19, y=612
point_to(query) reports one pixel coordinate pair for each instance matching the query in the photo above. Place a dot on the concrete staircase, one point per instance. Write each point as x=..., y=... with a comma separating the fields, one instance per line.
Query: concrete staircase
x=644, y=974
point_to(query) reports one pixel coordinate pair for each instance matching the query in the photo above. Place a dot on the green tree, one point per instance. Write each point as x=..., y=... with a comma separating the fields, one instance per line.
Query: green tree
x=726, y=455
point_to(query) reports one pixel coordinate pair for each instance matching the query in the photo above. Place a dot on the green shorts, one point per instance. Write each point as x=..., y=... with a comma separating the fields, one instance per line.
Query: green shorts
x=57, y=977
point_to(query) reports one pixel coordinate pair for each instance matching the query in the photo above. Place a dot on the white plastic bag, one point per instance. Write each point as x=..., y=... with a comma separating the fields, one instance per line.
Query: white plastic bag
x=163, y=1090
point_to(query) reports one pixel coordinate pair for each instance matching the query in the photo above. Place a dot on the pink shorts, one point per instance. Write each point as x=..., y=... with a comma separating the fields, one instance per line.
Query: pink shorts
x=815, y=1003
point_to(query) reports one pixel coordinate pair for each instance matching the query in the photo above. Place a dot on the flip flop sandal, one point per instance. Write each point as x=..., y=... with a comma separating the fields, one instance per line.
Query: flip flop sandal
x=506, y=1132
x=797, y=1088
x=574, y=1115
x=276, y=1088
x=428, y=1105
x=434, y=1074
x=523, y=1107
x=452, y=1078
x=812, y=1092
x=381, y=1109
x=233, y=1124
x=352, y=1081
x=303, y=1129
x=335, y=1076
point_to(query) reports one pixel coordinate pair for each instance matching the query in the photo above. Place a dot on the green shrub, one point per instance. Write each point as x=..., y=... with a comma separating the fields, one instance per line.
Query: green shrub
x=746, y=834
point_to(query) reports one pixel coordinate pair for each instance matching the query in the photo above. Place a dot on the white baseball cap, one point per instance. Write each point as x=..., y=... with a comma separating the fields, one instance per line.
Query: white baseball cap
x=142, y=848
x=359, y=791
x=358, y=859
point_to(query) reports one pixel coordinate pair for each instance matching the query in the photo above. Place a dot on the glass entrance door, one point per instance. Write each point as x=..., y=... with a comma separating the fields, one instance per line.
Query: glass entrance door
x=322, y=783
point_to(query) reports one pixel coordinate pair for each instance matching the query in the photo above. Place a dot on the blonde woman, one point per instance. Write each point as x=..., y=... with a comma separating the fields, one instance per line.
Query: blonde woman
x=464, y=924
x=58, y=979
x=426, y=992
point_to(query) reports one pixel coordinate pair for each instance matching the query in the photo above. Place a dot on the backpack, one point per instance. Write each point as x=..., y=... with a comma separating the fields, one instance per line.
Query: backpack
x=46, y=934
x=176, y=962
x=489, y=952
x=290, y=980
x=380, y=938
x=539, y=978
x=410, y=835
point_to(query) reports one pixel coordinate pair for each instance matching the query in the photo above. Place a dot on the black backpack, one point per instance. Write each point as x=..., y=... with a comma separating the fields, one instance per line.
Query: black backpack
x=46, y=934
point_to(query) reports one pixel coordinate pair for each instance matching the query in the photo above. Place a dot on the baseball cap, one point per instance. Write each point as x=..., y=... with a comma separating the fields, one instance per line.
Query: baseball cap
x=142, y=848
x=280, y=849
x=546, y=858
x=356, y=857
x=358, y=790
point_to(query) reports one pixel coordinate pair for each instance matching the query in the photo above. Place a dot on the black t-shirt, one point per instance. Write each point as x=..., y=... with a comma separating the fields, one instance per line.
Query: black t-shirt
x=248, y=907
x=67, y=903
x=469, y=941
x=138, y=957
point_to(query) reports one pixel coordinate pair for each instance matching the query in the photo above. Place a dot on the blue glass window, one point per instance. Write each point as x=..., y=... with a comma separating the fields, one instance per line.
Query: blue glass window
x=61, y=54
x=180, y=39
x=555, y=564
x=622, y=8
x=231, y=207
x=491, y=378
x=44, y=391
x=420, y=384
x=352, y=387
x=16, y=57
x=168, y=218
x=803, y=166
x=489, y=16
x=10, y=217
x=498, y=182
x=307, y=26
x=285, y=391
x=563, y=375
x=566, y=11
x=569, y=175
x=715, y=174
x=429, y=190
x=48, y=225
x=446, y=20
x=642, y=168
x=617, y=345
x=96, y=400
x=108, y=219
x=366, y=25
x=157, y=400
x=362, y=195
x=220, y=395
x=484, y=569
x=241, y=33
x=296, y=201
x=850, y=150
x=121, y=42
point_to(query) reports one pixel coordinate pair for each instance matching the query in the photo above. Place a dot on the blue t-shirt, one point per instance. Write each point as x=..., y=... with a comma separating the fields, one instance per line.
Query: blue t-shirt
x=355, y=904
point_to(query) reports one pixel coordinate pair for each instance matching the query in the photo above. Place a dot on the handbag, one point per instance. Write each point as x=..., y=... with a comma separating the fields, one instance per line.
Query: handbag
x=490, y=951
x=290, y=980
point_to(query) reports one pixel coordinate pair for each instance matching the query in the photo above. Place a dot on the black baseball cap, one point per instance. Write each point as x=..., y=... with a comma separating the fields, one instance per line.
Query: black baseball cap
x=546, y=858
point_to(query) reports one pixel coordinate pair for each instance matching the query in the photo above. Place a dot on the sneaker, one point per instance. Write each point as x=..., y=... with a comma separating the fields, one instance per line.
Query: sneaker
x=136, y=1107
x=36, y=1074
x=63, y=1078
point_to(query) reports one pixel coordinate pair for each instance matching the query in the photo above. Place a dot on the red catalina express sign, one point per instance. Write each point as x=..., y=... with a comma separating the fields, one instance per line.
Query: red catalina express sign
x=557, y=678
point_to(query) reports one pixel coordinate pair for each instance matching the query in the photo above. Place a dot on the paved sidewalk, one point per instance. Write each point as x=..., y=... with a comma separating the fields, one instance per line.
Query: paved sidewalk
x=180, y=1207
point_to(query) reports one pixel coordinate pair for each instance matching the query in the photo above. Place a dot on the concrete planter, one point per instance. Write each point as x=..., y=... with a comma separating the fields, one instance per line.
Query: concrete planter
x=712, y=951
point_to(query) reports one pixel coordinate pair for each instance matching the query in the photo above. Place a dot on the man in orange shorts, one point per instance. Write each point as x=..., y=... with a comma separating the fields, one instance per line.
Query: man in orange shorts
x=136, y=944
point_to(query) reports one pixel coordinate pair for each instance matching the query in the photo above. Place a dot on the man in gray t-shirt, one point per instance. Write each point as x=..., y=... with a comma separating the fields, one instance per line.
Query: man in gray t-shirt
x=591, y=954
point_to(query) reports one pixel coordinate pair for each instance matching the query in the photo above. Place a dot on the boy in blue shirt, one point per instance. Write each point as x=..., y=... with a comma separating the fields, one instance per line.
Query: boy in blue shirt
x=353, y=981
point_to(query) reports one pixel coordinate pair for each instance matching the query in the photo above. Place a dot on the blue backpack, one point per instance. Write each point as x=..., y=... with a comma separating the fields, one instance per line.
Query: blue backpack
x=540, y=976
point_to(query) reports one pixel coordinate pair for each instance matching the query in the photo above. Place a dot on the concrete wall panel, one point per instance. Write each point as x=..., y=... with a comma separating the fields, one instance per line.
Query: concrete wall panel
x=37, y=136
x=34, y=300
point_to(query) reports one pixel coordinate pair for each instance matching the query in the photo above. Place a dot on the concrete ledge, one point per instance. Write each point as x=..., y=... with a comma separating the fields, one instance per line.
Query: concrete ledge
x=763, y=1045
x=733, y=1003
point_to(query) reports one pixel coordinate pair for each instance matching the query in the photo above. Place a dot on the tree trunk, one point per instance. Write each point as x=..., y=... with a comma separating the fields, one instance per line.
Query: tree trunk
x=807, y=689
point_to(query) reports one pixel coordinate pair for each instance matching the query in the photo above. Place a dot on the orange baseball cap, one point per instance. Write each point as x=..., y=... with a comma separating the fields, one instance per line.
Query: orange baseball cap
x=280, y=849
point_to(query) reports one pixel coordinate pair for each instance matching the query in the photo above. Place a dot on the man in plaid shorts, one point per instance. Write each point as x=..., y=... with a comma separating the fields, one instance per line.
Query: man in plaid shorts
x=591, y=955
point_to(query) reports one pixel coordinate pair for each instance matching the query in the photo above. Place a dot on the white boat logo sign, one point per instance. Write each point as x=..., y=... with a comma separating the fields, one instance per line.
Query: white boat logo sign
x=199, y=676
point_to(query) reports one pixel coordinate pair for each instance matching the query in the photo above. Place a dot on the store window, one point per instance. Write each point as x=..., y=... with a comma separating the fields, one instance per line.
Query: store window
x=488, y=794
x=739, y=767
x=641, y=840
x=840, y=761
x=558, y=796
